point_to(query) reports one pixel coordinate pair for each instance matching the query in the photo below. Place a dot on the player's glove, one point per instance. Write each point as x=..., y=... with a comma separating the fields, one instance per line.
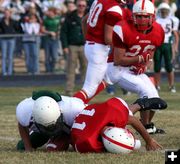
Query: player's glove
x=145, y=57
x=151, y=103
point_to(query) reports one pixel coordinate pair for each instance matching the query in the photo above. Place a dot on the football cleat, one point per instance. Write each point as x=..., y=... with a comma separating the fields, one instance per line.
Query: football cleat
x=151, y=129
x=151, y=103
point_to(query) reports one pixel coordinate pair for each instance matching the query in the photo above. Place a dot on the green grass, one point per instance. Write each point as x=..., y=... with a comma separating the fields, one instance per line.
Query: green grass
x=9, y=97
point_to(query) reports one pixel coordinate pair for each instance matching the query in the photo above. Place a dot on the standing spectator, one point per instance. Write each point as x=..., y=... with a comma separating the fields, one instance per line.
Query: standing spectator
x=9, y=27
x=73, y=44
x=51, y=41
x=165, y=50
x=18, y=10
x=4, y=4
x=57, y=4
x=70, y=6
x=31, y=43
x=37, y=5
x=32, y=8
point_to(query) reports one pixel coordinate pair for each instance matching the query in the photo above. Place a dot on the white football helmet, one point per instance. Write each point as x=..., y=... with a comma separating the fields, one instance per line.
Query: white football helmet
x=46, y=111
x=143, y=14
x=118, y=140
x=163, y=10
x=164, y=6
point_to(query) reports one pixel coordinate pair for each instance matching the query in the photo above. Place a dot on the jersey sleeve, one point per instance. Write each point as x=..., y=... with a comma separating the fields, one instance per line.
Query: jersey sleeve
x=24, y=111
x=70, y=107
x=113, y=15
x=175, y=23
x=118, y=37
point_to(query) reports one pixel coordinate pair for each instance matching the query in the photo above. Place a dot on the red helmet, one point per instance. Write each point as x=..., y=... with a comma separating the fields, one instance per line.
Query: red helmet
x=143, y=14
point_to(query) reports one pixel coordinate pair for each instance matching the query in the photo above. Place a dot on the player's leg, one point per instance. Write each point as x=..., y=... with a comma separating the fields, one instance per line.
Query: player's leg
x=169, y=66
x=151, y=92
x=70, y=74
x=100, y=88
x=148, y=89
x=141, y=85
x=157, y=66
x=82, y=62
x=97, y=64
x=104, y=83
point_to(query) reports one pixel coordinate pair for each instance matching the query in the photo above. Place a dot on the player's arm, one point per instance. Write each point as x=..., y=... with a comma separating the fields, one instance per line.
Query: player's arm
x=176, y=42
x=24, y=133
x=84, y=24
x=151, y=144
x=108, y=32
x=120, y=44
x=121, y=59
x=120, y=49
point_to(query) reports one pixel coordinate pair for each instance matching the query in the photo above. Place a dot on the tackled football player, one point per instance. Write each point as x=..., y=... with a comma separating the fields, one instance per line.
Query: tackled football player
x=48, y=115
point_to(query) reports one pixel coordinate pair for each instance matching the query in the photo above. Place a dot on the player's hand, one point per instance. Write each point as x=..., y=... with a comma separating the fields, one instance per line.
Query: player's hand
x=138, y=69
x=66, y=51
x=145, y=57
x=153, y=145
x=53, y=34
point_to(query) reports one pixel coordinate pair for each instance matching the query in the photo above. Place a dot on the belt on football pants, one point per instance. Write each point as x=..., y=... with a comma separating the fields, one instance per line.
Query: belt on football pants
x=90, y=43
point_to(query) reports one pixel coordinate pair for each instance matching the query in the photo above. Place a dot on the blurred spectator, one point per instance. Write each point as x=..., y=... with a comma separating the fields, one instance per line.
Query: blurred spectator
x=57, y=4
x=4, y=4
x=31, y=27
x=70, y=6
x=31, y=8
x=73, y=44
x=9, y=27
x=34, y=4
x=165, y=51
x=51, y=40
x=17, y=9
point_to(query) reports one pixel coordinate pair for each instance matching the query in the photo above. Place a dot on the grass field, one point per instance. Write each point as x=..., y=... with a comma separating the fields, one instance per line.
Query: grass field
x=9, y=97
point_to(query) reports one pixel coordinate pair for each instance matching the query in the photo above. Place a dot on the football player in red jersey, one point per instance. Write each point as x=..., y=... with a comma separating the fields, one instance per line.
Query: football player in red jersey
x=89, y=124
x=134, y=44
x=103, y=15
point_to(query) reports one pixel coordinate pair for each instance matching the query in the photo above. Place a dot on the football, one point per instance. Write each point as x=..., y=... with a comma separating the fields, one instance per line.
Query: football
x=58, y=143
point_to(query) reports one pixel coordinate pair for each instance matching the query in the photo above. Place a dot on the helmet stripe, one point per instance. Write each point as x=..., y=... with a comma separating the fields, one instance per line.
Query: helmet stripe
x=118, y=143
x=143, y=3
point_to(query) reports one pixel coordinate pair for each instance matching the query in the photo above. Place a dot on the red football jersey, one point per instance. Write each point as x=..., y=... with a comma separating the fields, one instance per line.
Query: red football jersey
x=126, y=36
x=86, y=130
x=127, y=14
x=102, y=12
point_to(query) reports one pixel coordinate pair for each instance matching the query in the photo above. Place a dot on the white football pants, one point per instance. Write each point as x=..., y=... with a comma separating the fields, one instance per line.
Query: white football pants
x=96, y=55
x=140, y=84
